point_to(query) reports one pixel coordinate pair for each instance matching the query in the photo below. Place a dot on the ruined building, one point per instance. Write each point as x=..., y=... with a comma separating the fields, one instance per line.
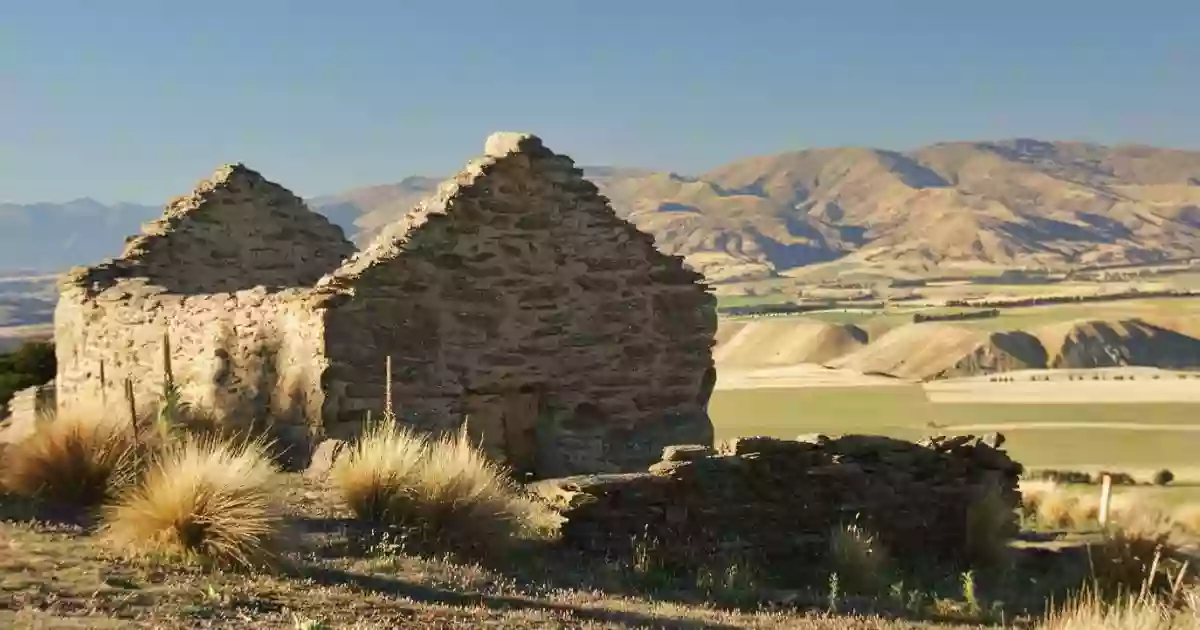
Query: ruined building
x=514, y=298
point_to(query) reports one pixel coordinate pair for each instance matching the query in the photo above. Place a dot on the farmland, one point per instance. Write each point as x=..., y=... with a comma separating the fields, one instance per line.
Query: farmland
x=905, y=411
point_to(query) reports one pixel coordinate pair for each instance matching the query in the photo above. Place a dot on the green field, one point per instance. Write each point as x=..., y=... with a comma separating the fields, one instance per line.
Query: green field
x=904, y=412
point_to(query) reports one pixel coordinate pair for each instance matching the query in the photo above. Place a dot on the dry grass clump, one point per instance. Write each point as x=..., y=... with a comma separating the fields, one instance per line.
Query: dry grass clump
x=444, y=489
x=376, y=475
x=1054, y=505
x=206, y=500
x=77, y=459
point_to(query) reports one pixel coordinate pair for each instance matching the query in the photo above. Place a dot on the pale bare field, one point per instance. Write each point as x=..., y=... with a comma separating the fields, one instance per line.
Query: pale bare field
x=1132, y=385
x=801, y=375
x=13, y=337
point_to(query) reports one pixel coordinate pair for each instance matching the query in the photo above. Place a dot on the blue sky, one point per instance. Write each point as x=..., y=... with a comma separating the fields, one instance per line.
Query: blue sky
x=138, y=99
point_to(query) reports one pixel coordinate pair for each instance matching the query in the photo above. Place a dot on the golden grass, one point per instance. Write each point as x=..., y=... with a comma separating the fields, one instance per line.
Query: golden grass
x=377, y=473
x=206, y=500
x=1066, y=507
x=77, y=459
x=443, y=488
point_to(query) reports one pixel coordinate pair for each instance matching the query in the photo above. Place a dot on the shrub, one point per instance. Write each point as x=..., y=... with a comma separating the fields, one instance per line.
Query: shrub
x=1059, y=476
x=31, y=364
x=444, y=490
x=77, y=459
x=858, y=560
x=1163, y=477
x=991, y=522
x=206, y=500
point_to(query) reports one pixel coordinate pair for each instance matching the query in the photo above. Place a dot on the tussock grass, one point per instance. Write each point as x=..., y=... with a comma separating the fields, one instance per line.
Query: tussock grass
x=444, y=489
x=206, y=500
x=377, y=475
x=77, y=459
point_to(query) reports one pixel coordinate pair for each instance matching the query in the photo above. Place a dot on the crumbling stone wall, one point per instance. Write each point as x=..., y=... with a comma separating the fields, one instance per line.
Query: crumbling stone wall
x=219, y=275
x=775, y=502
x=518, y=278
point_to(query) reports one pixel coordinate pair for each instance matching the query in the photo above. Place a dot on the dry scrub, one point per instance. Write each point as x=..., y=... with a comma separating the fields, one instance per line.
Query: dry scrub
x=75, y=459
x=1063, y=507
x=443, y=489
x=859, y=560
x=204, y=500
x=1129, y=613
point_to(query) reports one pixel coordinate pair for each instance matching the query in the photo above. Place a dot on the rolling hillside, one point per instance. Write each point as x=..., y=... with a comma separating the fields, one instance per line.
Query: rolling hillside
x=958, y=207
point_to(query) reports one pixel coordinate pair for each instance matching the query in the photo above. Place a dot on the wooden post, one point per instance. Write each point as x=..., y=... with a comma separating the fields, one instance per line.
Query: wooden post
x=388, y=411
x=1105, y=498
x=103, y=390
x=133, y=421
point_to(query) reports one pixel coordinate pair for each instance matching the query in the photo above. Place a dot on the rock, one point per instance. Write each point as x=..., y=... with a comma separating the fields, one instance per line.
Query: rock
x=685, y=452
x=503, y=143
x=323, y=459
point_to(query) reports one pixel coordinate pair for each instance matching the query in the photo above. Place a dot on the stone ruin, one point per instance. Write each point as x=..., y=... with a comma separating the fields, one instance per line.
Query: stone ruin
x=514, y=300
x=774, y=504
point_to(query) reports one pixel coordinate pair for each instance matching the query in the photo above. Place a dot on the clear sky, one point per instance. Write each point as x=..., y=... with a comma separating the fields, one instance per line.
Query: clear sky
x=137, y=100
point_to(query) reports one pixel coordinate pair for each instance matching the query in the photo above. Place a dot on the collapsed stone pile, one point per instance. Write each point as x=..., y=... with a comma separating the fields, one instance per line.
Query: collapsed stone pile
x=777, y=502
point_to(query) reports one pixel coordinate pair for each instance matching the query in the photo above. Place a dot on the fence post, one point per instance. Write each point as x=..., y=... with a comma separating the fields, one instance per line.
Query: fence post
x=1105, y=498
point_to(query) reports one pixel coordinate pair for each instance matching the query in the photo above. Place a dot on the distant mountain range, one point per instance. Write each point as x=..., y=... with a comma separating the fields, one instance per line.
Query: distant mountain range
x=949, y=207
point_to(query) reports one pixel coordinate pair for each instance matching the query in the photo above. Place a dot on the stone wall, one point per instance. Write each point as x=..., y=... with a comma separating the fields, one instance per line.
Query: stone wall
x=517, y=287
x=19, y=416
x=218, y=275
x=775, y=502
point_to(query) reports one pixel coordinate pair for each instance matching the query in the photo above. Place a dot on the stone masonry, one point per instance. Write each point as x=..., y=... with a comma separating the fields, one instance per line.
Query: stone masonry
x=775, y=503
x=514, y=300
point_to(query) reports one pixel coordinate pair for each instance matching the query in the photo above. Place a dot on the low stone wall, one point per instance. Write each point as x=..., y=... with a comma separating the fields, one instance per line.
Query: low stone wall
x=776, y=502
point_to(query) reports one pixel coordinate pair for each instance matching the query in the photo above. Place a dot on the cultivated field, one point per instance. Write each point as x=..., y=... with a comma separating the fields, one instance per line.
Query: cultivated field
x=1142, y=436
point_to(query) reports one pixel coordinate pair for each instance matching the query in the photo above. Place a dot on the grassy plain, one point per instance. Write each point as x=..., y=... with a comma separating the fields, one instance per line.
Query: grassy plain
x=905, y=412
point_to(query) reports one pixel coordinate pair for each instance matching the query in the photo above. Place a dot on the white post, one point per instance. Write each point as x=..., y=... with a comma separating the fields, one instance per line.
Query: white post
x=1105, y=497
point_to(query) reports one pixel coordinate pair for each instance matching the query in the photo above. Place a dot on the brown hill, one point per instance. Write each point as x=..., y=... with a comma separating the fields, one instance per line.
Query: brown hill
x=785, y=341
x=934, y=350
x=947, y=207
